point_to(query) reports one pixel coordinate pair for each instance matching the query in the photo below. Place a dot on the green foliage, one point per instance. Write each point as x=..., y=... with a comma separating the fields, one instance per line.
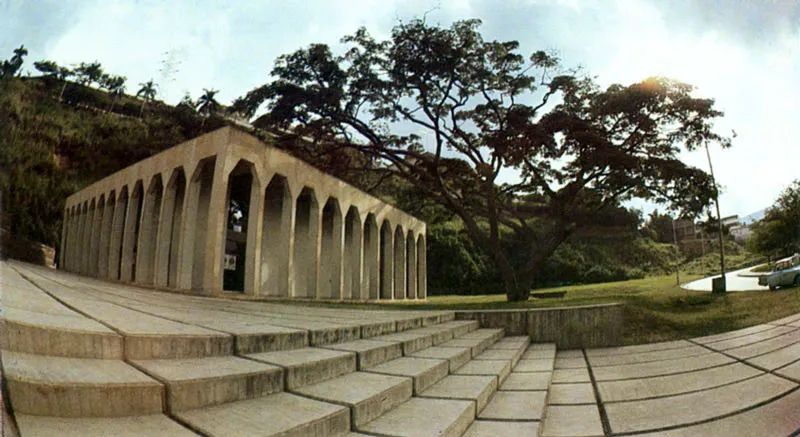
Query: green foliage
x=488, y=108
x=49, y=150
x=11, y=67
x=778, y=233
x=659, y=227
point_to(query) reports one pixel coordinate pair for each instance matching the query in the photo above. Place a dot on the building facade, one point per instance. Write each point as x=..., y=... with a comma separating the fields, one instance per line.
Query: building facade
x=226, y=211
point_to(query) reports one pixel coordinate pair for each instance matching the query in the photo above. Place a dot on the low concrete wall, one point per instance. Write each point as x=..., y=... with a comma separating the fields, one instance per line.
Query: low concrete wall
x=568, y=327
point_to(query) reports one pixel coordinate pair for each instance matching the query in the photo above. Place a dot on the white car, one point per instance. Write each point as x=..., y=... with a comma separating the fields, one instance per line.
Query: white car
x=786, y=272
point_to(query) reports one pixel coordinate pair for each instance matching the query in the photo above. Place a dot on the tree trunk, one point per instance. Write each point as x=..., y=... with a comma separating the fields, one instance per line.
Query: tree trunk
x=63, y=88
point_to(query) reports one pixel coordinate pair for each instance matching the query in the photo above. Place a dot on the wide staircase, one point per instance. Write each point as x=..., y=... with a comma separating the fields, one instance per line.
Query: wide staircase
x=83, y=357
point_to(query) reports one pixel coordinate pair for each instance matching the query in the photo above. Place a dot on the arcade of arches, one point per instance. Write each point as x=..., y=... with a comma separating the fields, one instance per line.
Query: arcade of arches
x=227, y=212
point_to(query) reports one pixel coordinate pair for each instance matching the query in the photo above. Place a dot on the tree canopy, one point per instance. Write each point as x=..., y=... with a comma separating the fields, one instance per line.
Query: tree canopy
x=778, y=233
x=484, y=108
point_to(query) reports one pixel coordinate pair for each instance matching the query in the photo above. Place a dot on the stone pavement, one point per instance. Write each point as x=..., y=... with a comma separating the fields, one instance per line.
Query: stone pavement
x=84, y=357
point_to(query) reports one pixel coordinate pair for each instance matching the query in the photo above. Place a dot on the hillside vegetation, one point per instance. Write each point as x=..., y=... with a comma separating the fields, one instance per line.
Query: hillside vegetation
x=57, y=137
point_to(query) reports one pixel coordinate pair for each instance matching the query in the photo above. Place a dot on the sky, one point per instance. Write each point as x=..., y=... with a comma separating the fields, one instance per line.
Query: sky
x=743, y=53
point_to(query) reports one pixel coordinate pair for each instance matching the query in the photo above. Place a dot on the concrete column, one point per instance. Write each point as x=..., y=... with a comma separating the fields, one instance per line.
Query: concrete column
x=75, y=221
x=399, y=264
x=105, y=236
x=97, y=224
x=306, y=245
x=386, y=261
x=148, y=232
x=215, y=228
x=86, y=244
x=117, y=233
x=370, y=281
x=411, y=267
x=64, y=236
x=131, y=233
x=330, y=260
x=422, y=268
x=276, y=238
x=170, y=226
x=351, y=282
x=255, y=223
x=193, y=236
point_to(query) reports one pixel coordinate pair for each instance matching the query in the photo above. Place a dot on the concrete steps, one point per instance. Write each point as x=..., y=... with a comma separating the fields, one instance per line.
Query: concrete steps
x=200, y=382
x=79, y=387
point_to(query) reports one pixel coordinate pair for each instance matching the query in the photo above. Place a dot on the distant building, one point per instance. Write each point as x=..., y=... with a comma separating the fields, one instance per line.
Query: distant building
x=741, y=233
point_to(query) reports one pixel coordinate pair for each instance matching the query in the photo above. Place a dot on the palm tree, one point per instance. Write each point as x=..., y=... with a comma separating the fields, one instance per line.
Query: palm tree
x=47, y=68
x=116, y=87
x=9, y=69
x=147, y=92
x=207, y=104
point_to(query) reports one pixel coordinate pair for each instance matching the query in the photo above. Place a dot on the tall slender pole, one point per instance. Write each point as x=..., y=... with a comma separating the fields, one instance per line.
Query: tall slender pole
x=677, y=260
x=719, y=221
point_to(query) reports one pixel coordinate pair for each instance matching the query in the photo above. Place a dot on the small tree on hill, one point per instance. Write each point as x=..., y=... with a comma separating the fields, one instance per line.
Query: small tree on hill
x=13, y=66
x=89, y=73
x=577, y=148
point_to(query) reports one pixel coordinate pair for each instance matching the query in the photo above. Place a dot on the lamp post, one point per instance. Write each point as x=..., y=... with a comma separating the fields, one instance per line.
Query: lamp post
x=722, y=288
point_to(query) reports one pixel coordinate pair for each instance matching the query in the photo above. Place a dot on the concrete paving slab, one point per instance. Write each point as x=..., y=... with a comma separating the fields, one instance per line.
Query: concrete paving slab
x=644, y=357
x=309, y=365
x=49, y=386
x=561, y=376
x=527, y=381
x=778, y=358
x=534, y=366
x=512, y=355
x=278, y=414
x=201, y=382
x=498, y=368
x=424, y=371
x=490, y=428
x=460, y=327
x=421, y=417
x=632, y=389
x=659, y=368
x=157, y=425
x=636, y=416
x=368, y=395
x=572, y=394
x=638, y=349
x=791, y=371
x=478, y=389
x=766, y=346
x=731, y=334
x=515, y=405
x=65, y=334
x=541, y=354
x=786, y=320
x=778, y=418
x=745, y=340
x=570, y=363
x=572, y=421
x=456, y=356
x=370, y=353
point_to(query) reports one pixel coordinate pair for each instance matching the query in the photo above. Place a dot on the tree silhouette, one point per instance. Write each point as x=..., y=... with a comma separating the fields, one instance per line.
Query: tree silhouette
x=578, y=149
x=11, y=68
x=207, y=103
x=89, y=73
x=147, y=92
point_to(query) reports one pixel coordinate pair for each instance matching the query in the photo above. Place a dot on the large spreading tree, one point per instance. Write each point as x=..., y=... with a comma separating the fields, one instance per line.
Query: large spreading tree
x=576, y=148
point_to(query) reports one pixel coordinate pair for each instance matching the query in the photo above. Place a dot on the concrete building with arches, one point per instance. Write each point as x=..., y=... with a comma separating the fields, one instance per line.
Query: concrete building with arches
x=227, y=212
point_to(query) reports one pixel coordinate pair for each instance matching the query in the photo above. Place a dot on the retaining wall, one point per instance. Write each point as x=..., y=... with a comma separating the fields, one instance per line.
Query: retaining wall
x=568, y=327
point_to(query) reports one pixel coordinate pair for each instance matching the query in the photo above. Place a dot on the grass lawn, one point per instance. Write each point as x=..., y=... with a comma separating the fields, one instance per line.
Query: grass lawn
x=655, y=308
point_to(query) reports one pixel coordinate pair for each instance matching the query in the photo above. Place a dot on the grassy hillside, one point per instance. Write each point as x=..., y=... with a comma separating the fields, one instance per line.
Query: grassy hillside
x=50, y=148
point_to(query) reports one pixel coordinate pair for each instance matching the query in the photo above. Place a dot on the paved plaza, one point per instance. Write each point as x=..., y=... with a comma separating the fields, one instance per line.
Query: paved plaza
x=85, y=357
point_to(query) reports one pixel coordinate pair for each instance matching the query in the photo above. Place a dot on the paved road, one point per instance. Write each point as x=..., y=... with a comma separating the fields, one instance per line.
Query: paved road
x=733, y=281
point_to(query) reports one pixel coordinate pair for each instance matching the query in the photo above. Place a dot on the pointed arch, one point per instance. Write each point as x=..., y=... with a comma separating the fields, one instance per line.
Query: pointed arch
x=276, y=238
x=306, y=231
x=330, y=281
